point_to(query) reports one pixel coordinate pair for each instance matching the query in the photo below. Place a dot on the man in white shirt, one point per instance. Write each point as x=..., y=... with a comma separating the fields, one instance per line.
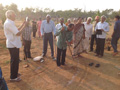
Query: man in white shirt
x=13, y=43
x=101, y=30
x=88, y=33
x=47, y=30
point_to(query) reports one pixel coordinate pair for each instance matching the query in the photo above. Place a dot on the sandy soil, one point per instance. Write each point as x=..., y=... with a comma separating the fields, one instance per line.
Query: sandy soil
x=76, y=75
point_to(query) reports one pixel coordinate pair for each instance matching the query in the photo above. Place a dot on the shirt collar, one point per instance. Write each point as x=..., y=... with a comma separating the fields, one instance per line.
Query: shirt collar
x=63, y=24
x=49, y=22
x=10, y=21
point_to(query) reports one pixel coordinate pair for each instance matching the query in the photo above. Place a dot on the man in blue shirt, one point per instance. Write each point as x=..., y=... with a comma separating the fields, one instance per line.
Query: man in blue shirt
x=116, y=34
x=47, y=30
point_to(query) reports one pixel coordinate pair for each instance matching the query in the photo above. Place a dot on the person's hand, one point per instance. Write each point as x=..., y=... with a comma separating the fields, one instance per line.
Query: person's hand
x=67, y=43
x=112, y=35
x=102, y=30
x=62, y=29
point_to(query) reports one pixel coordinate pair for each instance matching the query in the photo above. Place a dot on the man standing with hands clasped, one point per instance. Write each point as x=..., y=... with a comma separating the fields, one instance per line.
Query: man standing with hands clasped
x=101, y=30
x=13, y=43
x=47, y=30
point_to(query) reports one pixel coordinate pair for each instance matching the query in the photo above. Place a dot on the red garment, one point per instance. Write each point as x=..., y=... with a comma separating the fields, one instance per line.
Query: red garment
x=38, y=27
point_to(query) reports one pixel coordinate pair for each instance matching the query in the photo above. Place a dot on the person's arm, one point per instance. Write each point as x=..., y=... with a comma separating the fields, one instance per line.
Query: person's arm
x=106, y=29
x=42, y=28
x=115, y=28
x=14, y=30
x=58, y=31
x=19, y=28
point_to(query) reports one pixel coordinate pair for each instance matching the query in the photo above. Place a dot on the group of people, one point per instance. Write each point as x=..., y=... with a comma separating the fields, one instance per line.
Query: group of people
x=80, y=34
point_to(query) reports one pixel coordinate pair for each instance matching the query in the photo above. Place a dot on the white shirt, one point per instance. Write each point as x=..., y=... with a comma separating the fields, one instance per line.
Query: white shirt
x=88, y=28
x=58, y=26
x=47, y=27
x=105, y=27
x=10, y=31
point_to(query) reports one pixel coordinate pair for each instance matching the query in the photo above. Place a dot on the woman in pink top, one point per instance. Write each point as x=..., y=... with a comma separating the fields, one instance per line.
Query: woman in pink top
x=39, y=26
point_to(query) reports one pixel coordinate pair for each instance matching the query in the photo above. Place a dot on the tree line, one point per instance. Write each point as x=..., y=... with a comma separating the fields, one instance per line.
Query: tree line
x=35, y=13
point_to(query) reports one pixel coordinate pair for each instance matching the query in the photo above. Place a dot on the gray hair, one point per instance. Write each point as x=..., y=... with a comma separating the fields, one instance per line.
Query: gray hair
x=69, y=19
x=9, y=13
x=104, y=16
x=89, y=18
x=61, y=19
x=48, y=15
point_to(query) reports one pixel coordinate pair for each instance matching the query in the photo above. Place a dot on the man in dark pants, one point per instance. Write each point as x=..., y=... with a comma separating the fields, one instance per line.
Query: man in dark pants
x=101, y=31
x=64, y=36
x=116, y=34
x=34, y=28
x=47, y=30
x=93, y=38
x=26, y=37
x=13, y=43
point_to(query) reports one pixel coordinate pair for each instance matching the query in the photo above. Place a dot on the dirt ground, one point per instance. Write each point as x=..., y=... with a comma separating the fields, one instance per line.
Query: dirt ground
x=76, y=75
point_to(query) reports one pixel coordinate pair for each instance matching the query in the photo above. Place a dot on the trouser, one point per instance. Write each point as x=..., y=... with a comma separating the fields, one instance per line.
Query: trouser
x=59, y=52
x=27, y=46
x=34, y=33
x=14, y=64
x=114, y=42
x=48, y=37
x=86, y=43
x=93, y=38
x=100, y=46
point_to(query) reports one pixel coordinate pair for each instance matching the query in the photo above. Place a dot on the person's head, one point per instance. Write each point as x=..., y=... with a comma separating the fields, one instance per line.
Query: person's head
x=40, y=19
x=75, y=20
x=103, y=18
x=70, y=27
x=117, y=17
x=10, y=14
x=61, y=21
x=89, y=19
x=68, y=21
x=97, y=18
x=28, y=22
x=48, y=17
x=79, y=20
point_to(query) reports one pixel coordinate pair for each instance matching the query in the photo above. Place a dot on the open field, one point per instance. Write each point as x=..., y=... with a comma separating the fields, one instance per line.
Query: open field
x=76, y=75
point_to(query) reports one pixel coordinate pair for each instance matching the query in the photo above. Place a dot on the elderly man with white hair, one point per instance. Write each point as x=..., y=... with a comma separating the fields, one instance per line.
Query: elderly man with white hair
x=101, y=30
x=13, y=43
x=47, y=30
x=88, y=33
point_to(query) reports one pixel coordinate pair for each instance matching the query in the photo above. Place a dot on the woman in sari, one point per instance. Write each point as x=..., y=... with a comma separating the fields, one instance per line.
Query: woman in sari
x=39, y=26
x=78, y=36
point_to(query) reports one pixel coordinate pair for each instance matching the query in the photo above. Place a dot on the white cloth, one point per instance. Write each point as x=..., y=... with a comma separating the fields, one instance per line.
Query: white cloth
x=86, y=42
x=58, y=26
x=47, y=27
x=88, y=28
x=105, y=27
x=10, y=31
